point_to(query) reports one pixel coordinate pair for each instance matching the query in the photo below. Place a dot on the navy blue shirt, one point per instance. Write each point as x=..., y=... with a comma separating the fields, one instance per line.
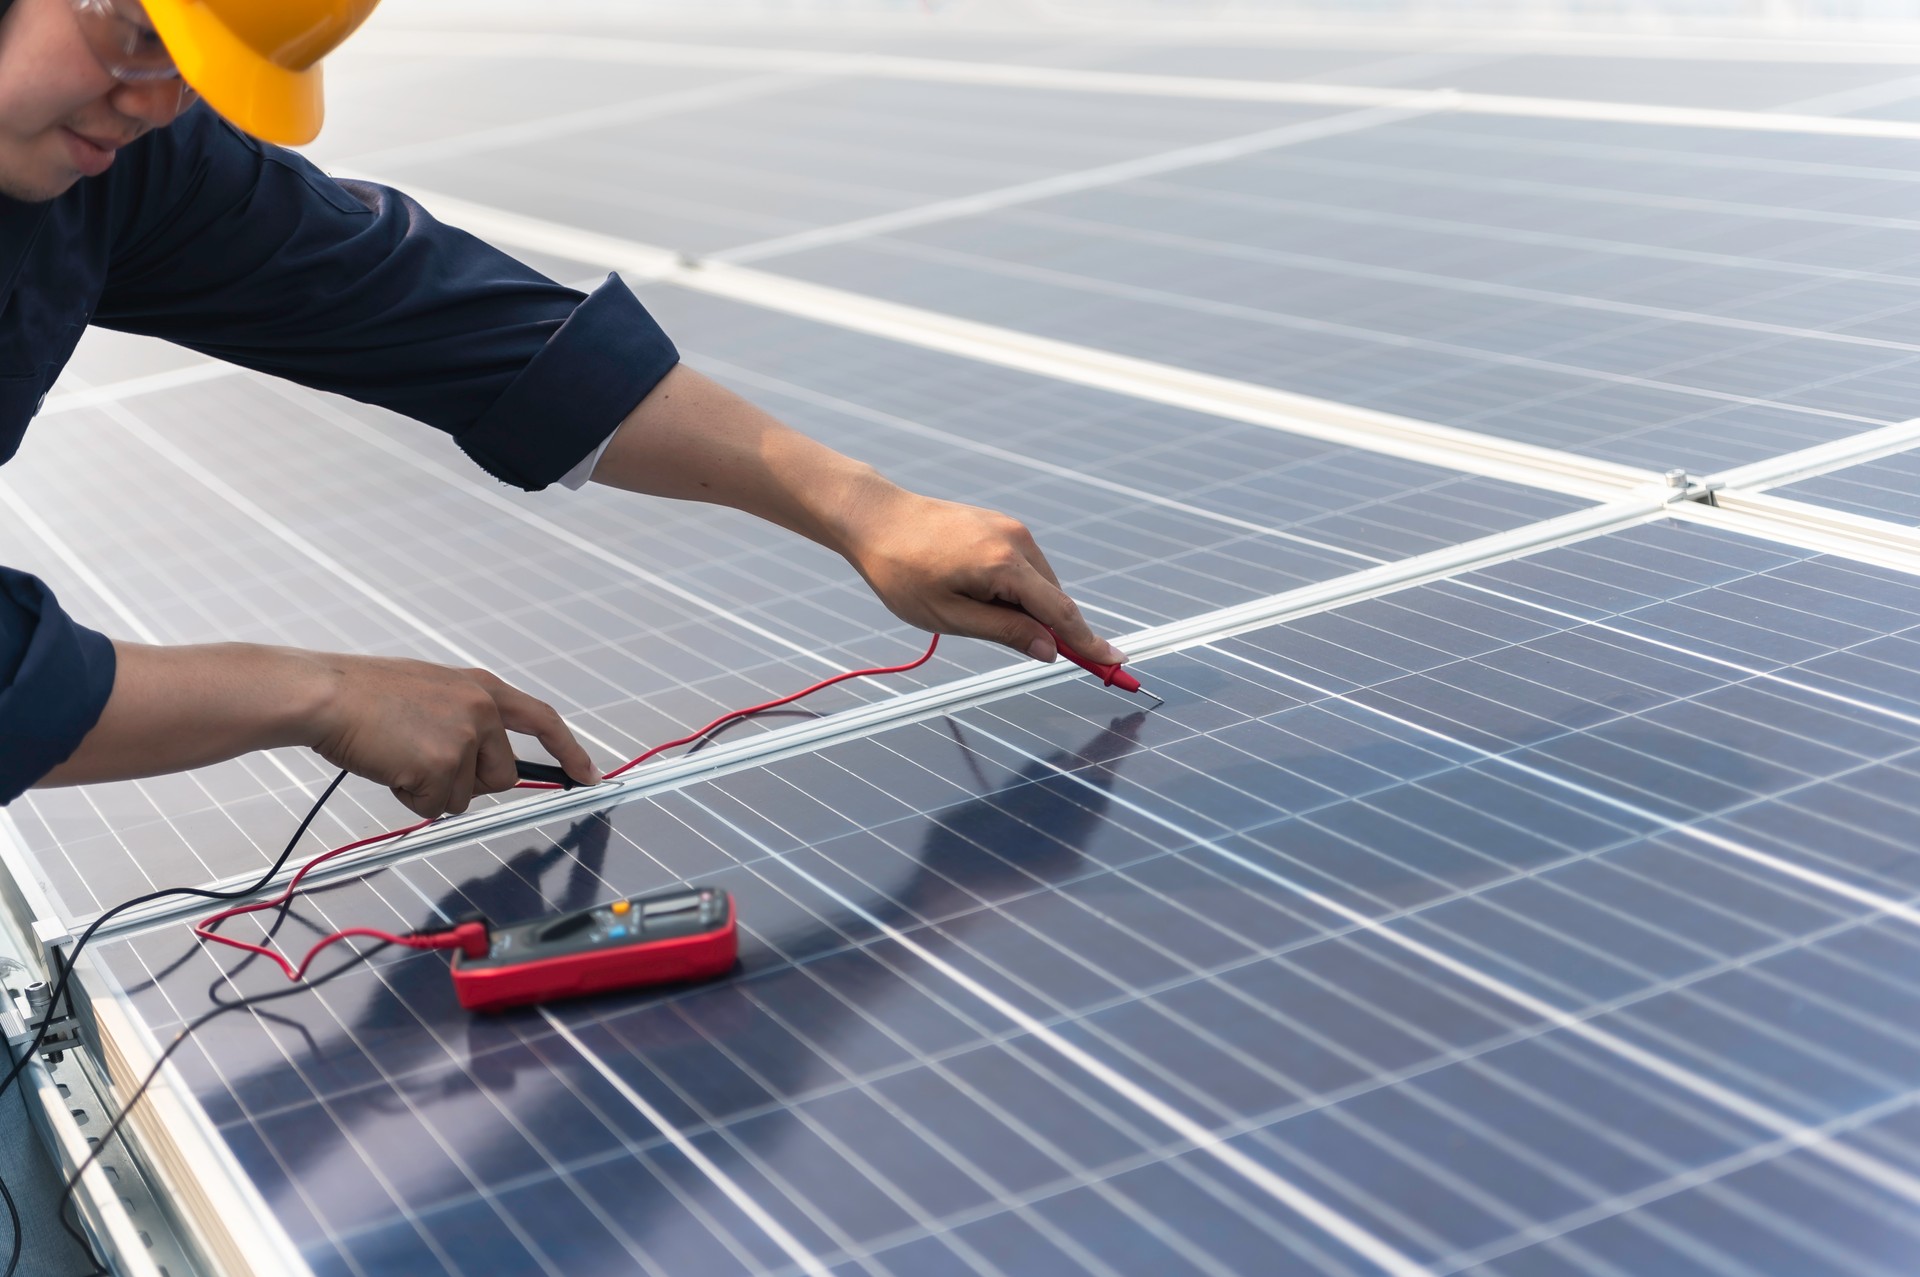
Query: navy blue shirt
x=246, y=252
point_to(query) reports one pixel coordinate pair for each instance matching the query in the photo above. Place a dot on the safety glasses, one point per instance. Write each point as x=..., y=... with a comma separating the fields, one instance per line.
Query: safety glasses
x=125, y=46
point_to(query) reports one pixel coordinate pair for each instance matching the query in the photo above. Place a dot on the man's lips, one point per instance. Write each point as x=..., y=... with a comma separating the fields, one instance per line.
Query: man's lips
x=91, y=156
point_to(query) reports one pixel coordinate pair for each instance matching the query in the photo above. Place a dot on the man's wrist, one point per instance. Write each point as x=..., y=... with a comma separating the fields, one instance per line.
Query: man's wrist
x=301, y=690
x=854, y=507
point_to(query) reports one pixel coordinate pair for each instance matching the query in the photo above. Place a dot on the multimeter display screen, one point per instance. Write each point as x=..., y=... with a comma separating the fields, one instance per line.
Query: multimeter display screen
x=567, y=926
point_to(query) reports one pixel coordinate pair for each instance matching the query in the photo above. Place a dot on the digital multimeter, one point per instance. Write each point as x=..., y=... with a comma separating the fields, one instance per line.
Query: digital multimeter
x=685, y=934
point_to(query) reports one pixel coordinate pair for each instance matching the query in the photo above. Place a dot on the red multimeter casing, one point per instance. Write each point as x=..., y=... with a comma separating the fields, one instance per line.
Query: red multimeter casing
x=685, y=934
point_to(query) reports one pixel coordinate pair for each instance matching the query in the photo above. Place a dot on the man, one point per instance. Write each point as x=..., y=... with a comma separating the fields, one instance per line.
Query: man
x=124, y=202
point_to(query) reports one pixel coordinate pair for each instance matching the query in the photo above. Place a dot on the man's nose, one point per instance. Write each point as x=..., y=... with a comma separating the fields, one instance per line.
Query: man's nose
x=155, y=103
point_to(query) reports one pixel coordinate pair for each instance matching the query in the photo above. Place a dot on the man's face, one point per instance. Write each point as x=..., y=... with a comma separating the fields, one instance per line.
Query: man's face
x=62, y=113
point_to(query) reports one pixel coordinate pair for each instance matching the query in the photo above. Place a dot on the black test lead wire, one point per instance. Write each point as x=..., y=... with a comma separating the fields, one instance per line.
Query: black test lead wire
x=66, y=971
x=357, y=957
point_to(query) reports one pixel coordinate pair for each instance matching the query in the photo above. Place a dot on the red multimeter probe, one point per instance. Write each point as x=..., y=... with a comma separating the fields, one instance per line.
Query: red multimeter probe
x=685, y=934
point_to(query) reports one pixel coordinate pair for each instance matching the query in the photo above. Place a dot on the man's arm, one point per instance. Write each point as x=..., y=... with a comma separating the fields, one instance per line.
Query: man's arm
x=957, y=569
x=436, y=736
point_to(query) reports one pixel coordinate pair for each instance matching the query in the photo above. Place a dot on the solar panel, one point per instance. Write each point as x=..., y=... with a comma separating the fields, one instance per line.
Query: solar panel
x=1563, y=284
x=1337, y=958
x=1553, y=916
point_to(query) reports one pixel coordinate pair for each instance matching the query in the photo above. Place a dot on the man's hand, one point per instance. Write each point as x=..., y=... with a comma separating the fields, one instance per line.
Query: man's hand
x=935, y=564
x=959, y=569
x=435, y=736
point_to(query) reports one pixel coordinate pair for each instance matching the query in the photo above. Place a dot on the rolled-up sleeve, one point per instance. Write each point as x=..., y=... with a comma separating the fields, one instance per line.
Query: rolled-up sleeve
x=55, y=677
x=248, y=253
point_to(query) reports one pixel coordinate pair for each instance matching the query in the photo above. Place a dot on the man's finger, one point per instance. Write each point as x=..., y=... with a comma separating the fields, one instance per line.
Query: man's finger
x=999, y=624
x=1048, y=603
x=532, y=717
x=460, y=781
x=1038, y=558
x=425, y=796
x=494, y=771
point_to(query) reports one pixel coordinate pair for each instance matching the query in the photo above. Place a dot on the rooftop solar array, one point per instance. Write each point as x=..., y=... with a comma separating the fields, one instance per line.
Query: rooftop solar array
x=1516, y=878
x=1480, y=919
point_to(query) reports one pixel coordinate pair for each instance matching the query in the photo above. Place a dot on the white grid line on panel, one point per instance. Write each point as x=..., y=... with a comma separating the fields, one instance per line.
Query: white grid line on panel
x=1444, y=1056
x=1354, y=215
x=132, y=387
x=767, y=1224
x=1786, y=945
x=1468, y=451
x=168, y=450
x=479, y=492
x=1065, y=183
x=1199, y=1136
x=75, y=564
x=1007, y=1040
x=1483, y=288
x=1866, y=1166
x=1255, y=1007
x=547, y=128
x=1680, y=157
x=404, y=1211
x=736, y=373
x=1826, y=882
x=380, y=1177
x=141, y=630
x=1490, y=184
x=505, y=1111
x=1091, y=285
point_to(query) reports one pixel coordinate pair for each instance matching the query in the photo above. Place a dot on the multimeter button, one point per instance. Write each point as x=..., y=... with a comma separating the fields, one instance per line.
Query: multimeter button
x=621, y=906
x=671, y=904
x=616, y=933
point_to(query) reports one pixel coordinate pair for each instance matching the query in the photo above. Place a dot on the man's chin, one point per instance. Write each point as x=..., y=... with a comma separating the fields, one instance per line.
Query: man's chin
x=37, y=188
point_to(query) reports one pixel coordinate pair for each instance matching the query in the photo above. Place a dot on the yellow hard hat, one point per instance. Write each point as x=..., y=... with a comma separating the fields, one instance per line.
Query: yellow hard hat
x=257, y=62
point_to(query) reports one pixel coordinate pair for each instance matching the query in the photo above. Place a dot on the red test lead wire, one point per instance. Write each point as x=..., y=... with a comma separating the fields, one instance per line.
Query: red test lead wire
x=471, y=937
x=932, y=647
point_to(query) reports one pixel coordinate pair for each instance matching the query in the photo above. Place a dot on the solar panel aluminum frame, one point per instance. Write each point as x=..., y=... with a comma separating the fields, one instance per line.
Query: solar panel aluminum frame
x=131, y=1221
x=1812, y=527
x=228, y=1226
x=1850, y=450
x=198, y=1211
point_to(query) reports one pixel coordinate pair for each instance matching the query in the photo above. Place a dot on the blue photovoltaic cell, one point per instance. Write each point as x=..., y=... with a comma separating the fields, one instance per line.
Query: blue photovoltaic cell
x=1885, y=488
x=1560, y=283
x=1548, y=919
x=1148, y=514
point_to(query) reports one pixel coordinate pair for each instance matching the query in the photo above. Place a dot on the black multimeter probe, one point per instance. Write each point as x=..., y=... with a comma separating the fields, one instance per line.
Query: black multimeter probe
x=546, y=773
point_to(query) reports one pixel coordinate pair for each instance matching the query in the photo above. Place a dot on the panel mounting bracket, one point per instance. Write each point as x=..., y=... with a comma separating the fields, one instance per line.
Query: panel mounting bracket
x=1690, y=487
